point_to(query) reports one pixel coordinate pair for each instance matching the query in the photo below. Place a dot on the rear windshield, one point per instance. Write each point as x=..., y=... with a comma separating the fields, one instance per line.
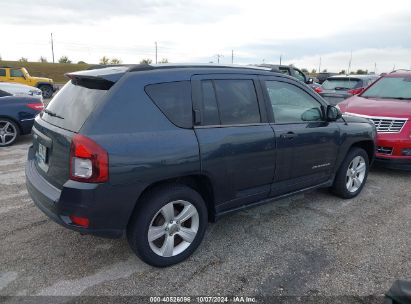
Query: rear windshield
x=341, y=84
x=390, y=87
x=71, y=106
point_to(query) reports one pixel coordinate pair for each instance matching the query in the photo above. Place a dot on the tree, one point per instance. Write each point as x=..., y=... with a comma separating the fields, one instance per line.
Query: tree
x=325, y=71
x=146, y=61
x=305, y=71
x=163, y=60
x=361, y=72
x=43, y=59
x=313, y=71
x=104, y=60
x=81, y=62
x=64, y=59
x=23, y=59
x=115, y=61
x=342, y=72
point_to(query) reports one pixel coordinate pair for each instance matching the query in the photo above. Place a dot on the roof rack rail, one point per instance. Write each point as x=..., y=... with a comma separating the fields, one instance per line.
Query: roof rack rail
x=145, y=67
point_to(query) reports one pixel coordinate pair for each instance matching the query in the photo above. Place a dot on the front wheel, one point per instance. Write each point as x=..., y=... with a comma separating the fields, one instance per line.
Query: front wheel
x=168, y=225
x=46, y=90
x=9, y=132
x=352, y=175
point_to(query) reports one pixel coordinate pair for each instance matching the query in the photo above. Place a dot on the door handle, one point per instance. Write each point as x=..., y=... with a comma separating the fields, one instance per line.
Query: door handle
x=289, y=135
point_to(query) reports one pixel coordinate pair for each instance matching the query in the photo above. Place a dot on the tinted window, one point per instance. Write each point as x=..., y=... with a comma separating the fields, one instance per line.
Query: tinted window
x=390, y=87
x=16, y=73
x=73, y=103
x=209, y=109
x=292, y=104
x=174, y=100
x=237, y=101
x=341, y=83
x=3, y=93
x=299, y=75
x=2, y=72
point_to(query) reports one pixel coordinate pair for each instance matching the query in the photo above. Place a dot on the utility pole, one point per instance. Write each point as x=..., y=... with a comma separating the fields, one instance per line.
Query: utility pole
x=349, y=64
x=232, y=56
x=52, y=46
x=319, y=66
x=218, y=57
x=281, y=58
x=156, y=51
x=375, y=68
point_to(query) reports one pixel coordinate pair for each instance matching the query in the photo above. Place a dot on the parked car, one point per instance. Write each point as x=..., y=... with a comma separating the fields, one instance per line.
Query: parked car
x=323, y=76
x=387, y=103
x=337, y=88
x=157, y=151
x=21, y=75
x=288, y=70
x=16, y=116
x=17, y=89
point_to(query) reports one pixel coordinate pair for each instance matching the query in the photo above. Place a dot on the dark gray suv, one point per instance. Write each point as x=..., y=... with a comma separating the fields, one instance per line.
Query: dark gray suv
x=158, y=151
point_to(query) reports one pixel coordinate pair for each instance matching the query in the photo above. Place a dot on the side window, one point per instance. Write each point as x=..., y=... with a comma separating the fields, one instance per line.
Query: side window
x=2, y=72
x=174, y=100
x=16, y=73
x=237, y=101
x=3, y=93
x=300, y=76
x=291, y=104
x=210, y=108
x=284, y=70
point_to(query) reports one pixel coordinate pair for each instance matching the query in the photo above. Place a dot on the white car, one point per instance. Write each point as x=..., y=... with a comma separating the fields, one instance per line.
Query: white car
x=17, y=89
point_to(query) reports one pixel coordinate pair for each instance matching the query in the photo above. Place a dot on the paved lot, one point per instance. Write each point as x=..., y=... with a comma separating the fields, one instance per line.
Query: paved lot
x=308, y=245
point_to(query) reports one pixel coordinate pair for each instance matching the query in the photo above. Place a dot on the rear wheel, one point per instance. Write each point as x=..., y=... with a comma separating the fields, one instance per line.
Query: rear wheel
x=168, y=226
x=46, y=90
x=9, y=132
x=352, y=174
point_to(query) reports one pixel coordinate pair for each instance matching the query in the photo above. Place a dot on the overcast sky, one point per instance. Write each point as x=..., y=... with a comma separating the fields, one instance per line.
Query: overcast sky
x=376, y=32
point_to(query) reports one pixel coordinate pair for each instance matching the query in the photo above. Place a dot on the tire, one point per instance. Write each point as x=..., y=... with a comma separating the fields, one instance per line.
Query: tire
x=352, y=175
x=9, y=132
x=46, y=90
x=159, y=212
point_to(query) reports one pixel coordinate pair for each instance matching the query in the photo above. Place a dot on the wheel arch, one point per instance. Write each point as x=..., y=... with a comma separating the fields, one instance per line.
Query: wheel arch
x=14, y=120
x=368, y=146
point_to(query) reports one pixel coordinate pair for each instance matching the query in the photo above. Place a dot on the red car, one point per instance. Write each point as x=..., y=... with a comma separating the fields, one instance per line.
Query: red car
x=387, y=103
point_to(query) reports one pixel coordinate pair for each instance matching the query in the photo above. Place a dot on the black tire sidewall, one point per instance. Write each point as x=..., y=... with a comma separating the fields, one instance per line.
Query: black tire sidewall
x=137, y=231
x=340, y=187
x=17, y=131
x=46, y=91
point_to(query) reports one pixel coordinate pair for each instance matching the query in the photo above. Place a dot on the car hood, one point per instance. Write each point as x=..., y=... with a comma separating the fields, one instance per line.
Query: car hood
x=376, y=107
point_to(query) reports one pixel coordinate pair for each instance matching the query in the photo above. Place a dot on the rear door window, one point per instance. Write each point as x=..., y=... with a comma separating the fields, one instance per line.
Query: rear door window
x=72, y=105
x=209, y=107
x=2, y=72
x=237, y=101
x=174, y=100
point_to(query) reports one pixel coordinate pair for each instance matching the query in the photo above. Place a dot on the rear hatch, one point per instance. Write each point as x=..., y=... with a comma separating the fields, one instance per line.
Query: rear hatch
x=336, y=89
x=63, y=118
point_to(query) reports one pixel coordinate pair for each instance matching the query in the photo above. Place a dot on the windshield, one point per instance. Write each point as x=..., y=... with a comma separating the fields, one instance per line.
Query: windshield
x=390, y=87
x=72, y=105
x=341, y=83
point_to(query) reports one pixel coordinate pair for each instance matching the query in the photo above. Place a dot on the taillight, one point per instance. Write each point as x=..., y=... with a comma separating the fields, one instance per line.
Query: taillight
x=36, y=106
x=88, y=161
x=79, y=221
x=356, y=91
x=318, y=89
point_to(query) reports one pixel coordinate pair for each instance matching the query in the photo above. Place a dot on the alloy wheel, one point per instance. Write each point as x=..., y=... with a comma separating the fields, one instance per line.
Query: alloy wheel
x=355, y=174
x=8, y=132
x=173, y=228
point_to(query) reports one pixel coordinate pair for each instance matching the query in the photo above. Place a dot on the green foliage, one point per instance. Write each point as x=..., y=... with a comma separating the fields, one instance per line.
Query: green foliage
x=115, y=61
x=146, y=61
x=64, y=59
x=81, y=62
x=342, y=72
x=43, y=59
x=23, y=59
x=362, y=72
x=163, y=60
x=104, y=60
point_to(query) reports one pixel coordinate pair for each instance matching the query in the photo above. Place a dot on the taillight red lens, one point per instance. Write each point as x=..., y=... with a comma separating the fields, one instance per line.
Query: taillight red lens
x=36, y=106
x=79, y=221
x=356, y=91
x=88, y=161
x=318, y=89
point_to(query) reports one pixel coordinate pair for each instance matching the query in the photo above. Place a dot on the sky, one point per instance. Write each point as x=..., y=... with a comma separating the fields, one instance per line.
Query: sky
x=309, y=34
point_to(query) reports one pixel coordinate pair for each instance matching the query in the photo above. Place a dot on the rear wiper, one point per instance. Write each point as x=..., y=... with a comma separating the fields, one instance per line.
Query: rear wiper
x=53, y=114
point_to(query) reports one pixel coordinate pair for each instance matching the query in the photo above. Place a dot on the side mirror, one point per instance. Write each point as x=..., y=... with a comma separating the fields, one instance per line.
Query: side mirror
x=313, y=114
x=310, y=81
x=333, y=113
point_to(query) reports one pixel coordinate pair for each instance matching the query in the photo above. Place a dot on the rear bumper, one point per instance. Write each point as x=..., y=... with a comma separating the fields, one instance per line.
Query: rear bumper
x=394, y=163
x=106, y=207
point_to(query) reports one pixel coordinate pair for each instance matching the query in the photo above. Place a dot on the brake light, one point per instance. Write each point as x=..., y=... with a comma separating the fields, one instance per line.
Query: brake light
x=356, y=91
x=88, y=161
x=318, y=89
x=79, y=221
x=36, y=106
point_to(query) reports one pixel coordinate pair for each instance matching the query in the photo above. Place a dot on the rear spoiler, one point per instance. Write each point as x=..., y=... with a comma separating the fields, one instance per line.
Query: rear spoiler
x=100, y=79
